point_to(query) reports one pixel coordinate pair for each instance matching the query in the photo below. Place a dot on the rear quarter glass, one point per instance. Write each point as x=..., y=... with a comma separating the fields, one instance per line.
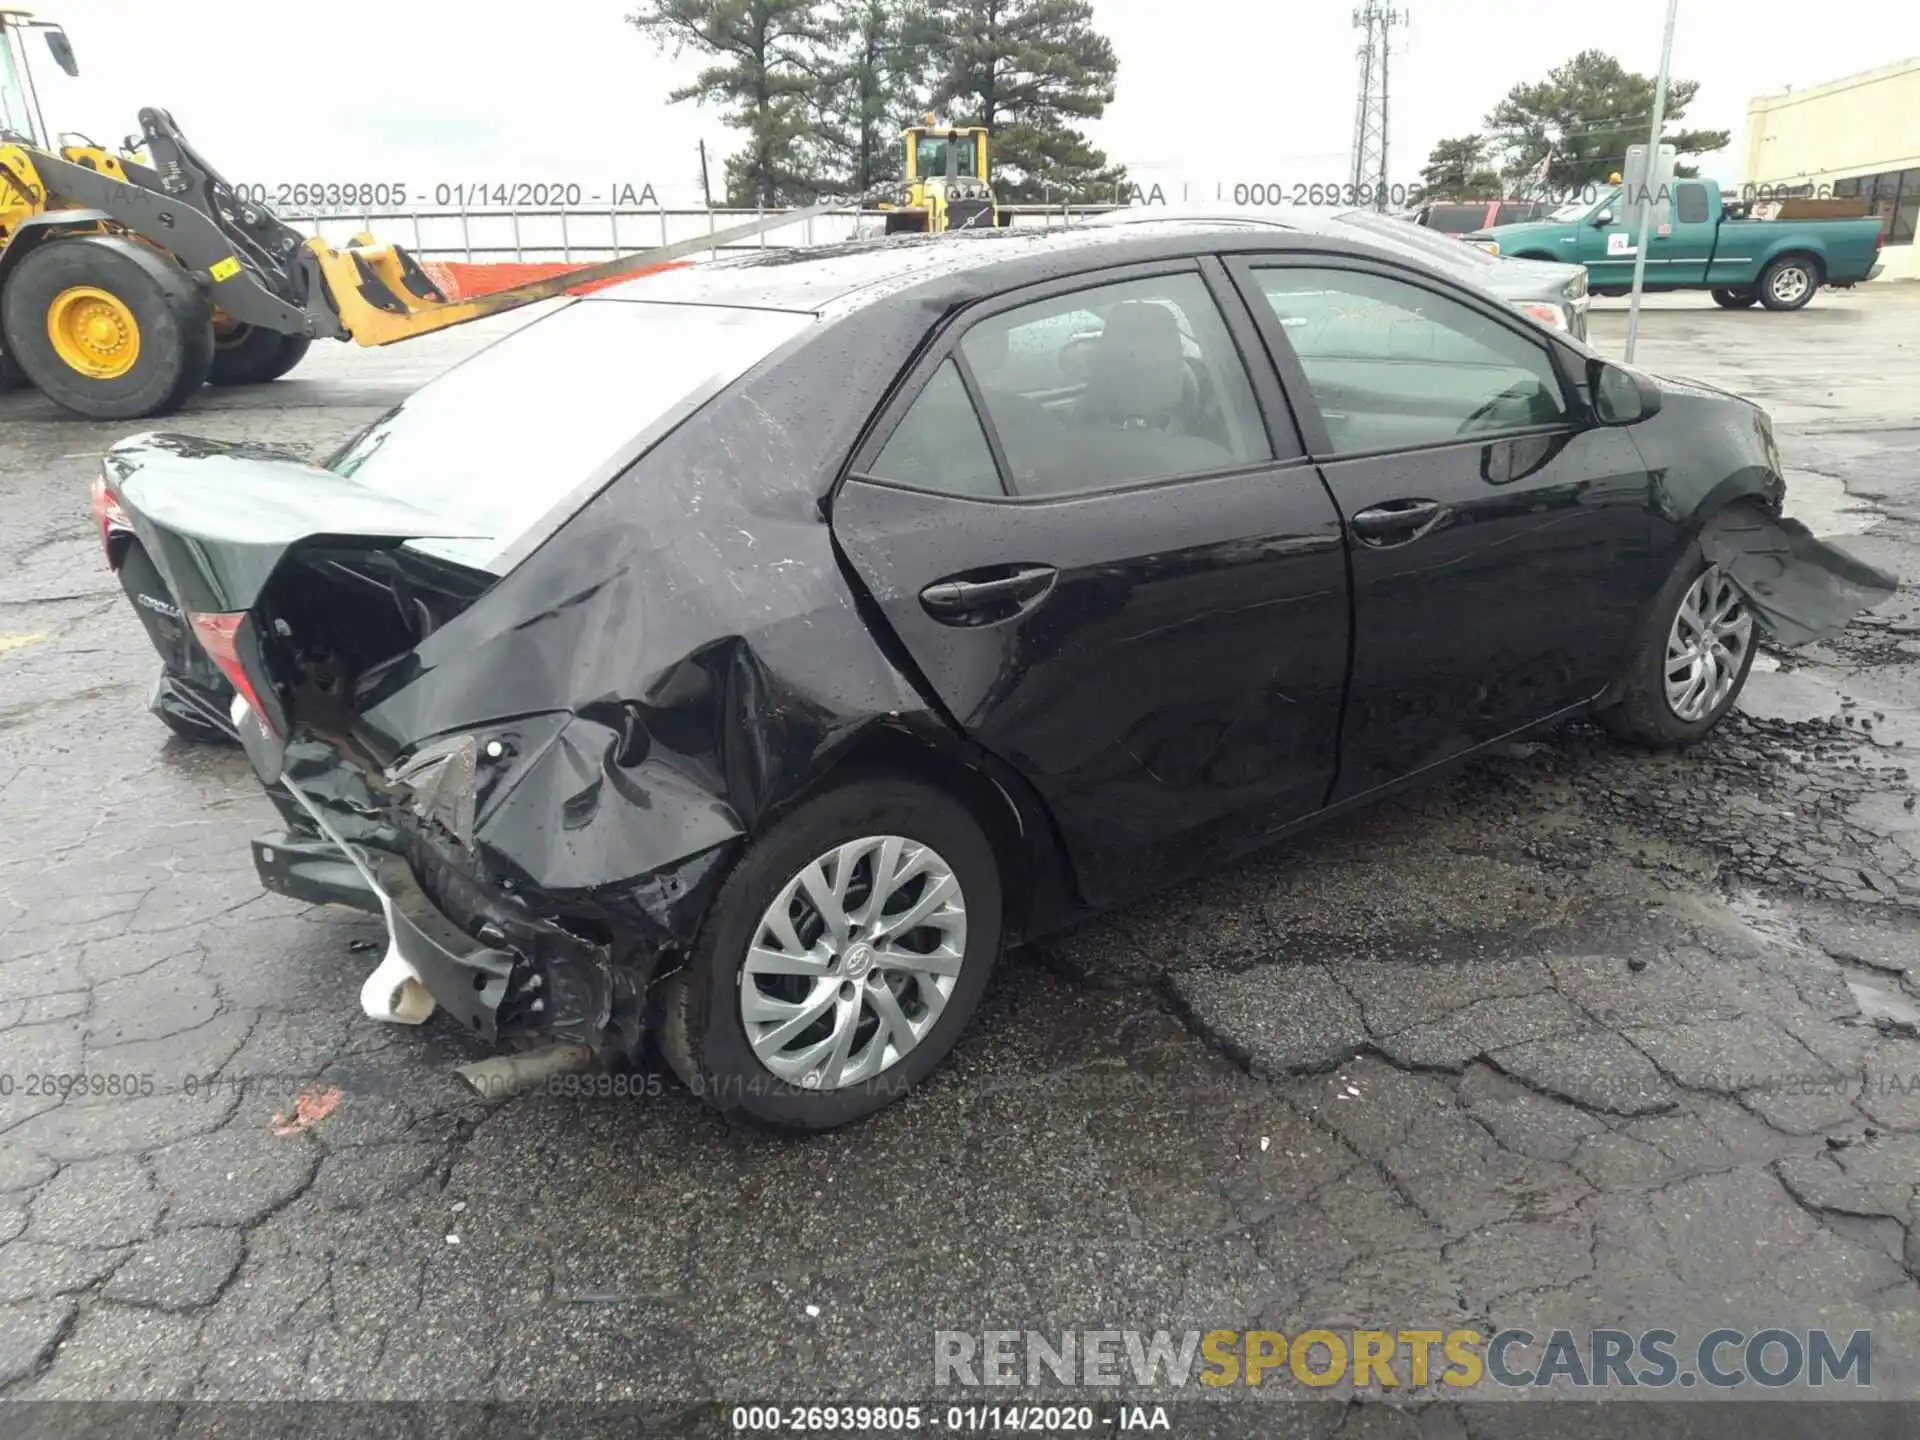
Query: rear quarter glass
x=503, y=438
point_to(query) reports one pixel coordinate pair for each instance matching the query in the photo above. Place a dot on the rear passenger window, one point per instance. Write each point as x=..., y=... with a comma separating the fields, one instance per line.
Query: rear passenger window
x=1116, y=385
x=939, y=444
x=1690, y=204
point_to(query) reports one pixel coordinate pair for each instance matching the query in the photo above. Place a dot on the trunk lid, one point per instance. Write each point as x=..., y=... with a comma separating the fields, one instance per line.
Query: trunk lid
x=224, y=522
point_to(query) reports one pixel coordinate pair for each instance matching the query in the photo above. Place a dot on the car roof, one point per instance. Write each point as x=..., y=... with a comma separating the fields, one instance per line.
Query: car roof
x=831, y=279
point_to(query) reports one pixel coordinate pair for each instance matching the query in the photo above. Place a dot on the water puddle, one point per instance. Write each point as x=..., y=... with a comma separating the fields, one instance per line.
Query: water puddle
x=1807, y=693
x=1881, y=1003
x=1822, y=504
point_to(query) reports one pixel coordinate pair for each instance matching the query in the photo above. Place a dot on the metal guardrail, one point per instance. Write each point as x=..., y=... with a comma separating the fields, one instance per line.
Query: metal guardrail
x=570, y=235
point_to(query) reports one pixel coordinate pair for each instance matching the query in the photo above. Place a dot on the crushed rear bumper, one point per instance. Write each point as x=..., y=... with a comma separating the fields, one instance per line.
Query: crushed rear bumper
x=502, y=973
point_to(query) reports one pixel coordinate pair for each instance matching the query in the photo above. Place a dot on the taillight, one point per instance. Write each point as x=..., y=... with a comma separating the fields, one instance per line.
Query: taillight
x=108, y=515
x=219, y=637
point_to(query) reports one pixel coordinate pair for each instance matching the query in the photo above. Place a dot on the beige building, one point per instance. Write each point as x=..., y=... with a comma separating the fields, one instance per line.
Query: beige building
x=1859, y=136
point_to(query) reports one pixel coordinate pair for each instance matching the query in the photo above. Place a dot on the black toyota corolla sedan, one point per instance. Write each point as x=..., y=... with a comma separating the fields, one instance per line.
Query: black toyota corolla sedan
x=746, y=654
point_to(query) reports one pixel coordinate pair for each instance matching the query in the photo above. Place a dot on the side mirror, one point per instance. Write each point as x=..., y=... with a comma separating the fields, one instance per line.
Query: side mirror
x=62, y=49
x=1619, y=396
x=1603, y=219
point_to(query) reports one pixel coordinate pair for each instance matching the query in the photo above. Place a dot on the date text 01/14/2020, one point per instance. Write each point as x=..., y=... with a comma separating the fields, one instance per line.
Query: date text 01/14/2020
x=350, y=195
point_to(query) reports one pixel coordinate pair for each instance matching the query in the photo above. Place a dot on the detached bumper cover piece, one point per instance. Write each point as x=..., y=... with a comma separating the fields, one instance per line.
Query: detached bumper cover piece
x=1801, y=588
x=495, y=969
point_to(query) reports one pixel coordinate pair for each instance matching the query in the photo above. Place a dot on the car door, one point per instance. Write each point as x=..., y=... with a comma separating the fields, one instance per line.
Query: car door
x=1499, y=539
x=1693, y=226
x=1131, y=585
x=1607, y=246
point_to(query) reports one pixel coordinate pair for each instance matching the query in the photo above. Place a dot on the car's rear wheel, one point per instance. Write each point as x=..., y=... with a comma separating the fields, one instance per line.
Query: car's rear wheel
x=107, y=328
x=1789, y=282
x=840, y=961
x=1692, y=660
x=1728, y=299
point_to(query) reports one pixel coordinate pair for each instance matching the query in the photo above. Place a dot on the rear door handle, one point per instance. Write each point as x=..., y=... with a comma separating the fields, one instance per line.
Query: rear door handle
x=981, y=597
x=1396, y=521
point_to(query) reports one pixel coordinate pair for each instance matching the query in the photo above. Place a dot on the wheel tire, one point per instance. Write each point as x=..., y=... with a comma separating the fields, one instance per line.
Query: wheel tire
x=11, y=375
x=249, y=355
x=697, y=1021
x=1779, y=288
x=1641, y=715
x=1734, y=299
x=173, y=325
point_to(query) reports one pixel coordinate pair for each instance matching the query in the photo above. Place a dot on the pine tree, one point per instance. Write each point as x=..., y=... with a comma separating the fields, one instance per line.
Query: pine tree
x=1027, y=70
x=871, y=84
x=1588, y=111
x=763, y=69
x=1457, y=169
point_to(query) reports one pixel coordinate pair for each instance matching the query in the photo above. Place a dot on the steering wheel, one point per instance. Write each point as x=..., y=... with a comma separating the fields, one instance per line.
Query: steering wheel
x=1520, y=390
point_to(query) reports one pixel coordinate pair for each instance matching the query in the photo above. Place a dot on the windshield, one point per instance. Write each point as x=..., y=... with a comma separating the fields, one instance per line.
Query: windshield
x=15, y=114
x=534, y=419
x=935, y=150
x=1580, y=209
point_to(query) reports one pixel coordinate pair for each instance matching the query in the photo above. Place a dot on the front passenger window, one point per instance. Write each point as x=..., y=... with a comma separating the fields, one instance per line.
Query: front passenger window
x=1393, y=365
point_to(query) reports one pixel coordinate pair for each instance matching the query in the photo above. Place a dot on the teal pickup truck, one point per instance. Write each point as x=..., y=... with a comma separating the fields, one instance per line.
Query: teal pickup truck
x=1706, y=245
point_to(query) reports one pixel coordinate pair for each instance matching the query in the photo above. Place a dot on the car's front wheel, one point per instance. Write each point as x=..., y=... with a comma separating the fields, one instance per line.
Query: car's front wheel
x=840, y=961
x=1692, y=660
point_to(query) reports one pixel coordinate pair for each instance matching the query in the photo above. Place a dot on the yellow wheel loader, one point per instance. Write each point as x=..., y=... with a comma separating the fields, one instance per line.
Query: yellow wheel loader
x=946, y=186
x=128, y=280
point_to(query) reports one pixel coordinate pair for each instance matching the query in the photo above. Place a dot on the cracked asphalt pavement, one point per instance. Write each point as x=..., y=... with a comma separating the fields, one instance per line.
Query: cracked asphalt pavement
x=1581, y=1037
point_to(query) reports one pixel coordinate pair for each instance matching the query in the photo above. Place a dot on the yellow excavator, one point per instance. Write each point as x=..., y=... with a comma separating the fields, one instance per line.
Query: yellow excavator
x=129, y=279
x=947, y=185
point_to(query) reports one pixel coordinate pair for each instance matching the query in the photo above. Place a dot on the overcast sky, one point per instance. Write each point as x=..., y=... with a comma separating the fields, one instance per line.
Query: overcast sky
x=1211, y=92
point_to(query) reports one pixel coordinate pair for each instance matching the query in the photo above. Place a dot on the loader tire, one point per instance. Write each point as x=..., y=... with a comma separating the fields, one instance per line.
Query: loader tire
x=248, y=355
x=10, y=376
x=107, y=328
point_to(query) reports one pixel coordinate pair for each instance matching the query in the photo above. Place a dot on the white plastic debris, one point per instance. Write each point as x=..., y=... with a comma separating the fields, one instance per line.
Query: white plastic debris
x=813, y=1312
x=393, y=991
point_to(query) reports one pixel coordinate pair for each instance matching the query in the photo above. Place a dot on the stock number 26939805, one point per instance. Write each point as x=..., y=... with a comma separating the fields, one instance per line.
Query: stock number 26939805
x=1330, y=193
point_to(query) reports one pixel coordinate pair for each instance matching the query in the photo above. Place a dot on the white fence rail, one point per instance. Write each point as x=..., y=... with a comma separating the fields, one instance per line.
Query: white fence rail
x=581, y=236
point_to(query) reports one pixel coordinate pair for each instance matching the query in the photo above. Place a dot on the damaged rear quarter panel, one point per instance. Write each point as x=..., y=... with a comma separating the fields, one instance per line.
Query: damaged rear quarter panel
x=680, y=658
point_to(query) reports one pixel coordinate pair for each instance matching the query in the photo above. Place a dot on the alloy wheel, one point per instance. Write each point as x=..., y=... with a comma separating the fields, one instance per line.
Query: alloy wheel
x=852, y=964
x=1790, y=282
x=1707, y=646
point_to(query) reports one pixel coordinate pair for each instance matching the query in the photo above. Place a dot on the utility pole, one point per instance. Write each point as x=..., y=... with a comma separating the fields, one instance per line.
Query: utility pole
x=1653, y=161
x=706, y=190
x=1370, y=113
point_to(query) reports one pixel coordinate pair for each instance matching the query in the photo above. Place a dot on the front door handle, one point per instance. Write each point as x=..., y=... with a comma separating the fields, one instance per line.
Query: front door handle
x=1396, y=521
x=983, y=596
